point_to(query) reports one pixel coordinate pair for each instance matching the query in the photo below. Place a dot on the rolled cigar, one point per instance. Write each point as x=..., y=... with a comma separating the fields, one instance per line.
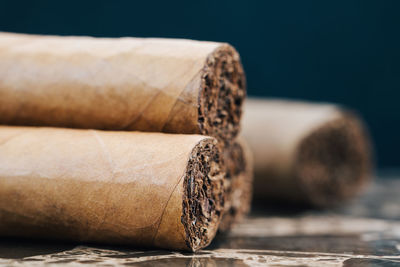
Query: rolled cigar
x=158, y=85
x=238, y=182
x=141, y=189
x=312, y=154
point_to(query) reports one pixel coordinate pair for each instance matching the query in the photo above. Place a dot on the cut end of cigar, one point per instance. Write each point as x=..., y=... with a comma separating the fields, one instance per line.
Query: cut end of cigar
x=203, y=202
x=334, y=162
x=238, y=186
x=223, y=89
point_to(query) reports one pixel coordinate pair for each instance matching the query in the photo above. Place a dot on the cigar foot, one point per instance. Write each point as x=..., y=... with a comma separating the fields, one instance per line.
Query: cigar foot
x=238, y=182
x=221, y=97
x=203, y=200
x=241, y=183
x=333, y=162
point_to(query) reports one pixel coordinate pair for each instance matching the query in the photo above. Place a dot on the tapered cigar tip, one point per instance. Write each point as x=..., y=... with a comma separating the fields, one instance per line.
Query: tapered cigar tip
x=223, y=89
x=203, y=200
x=334, y=161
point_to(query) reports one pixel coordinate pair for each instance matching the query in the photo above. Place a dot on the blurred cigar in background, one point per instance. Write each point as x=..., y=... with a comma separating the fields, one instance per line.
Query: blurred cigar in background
x=308, y=154
x=142, y=84
x=141, y=189
x=238, y=183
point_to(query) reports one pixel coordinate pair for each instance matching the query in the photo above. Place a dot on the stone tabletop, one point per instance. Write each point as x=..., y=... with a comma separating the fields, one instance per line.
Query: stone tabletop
x=365, y=232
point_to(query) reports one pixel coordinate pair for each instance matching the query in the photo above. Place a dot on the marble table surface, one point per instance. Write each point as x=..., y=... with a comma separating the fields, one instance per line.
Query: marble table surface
x=366, y=232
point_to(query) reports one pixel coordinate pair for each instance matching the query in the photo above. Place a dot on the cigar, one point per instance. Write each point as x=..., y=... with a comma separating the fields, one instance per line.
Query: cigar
x=140, y=189
x=308, y=154
x=143, y=84
x=238, y=183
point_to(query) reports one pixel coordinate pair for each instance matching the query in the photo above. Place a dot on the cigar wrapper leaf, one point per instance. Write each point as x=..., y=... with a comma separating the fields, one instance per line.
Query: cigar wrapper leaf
x=312, y=154
x=143, y=84
x=140, y=189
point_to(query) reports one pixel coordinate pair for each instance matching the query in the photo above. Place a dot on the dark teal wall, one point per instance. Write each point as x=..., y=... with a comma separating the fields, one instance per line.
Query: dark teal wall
x=339, y=51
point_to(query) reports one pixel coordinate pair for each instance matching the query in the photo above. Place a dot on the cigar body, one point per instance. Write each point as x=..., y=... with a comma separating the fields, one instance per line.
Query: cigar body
x=141, y=189
x=158, y=85
x=305, y=153
x=239, y=183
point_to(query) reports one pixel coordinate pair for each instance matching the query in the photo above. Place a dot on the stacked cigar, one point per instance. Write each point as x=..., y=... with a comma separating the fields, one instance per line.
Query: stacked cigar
x=167, y=186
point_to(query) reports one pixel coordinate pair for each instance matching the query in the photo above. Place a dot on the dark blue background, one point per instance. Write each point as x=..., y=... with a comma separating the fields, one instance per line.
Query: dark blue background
x=346, y=52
